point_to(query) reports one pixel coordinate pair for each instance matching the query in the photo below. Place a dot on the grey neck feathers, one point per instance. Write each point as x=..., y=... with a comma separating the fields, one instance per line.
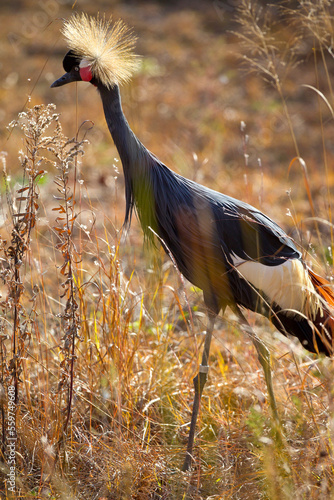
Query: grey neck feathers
x=130, y=149
x=136, y=159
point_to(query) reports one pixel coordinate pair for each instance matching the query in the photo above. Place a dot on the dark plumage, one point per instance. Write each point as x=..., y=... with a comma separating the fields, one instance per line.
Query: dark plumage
x=202, y=228
x=237, y=255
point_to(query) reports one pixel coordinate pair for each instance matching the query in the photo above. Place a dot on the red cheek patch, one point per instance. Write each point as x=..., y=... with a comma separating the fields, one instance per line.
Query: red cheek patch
x=86, y=74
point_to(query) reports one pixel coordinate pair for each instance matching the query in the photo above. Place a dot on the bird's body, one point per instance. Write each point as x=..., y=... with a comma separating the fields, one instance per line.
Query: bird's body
x=237, y=255
x=227, y=248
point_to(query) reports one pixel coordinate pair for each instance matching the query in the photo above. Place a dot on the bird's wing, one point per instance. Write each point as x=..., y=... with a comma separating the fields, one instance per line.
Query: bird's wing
x=194, y=218
x=249, y=234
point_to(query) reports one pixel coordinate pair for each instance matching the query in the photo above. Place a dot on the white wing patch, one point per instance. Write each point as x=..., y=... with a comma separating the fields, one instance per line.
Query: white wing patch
x=287, y=285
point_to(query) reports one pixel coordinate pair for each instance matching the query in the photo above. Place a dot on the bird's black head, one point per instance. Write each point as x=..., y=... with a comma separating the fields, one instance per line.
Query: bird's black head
x=77, y=70
x=101, y=51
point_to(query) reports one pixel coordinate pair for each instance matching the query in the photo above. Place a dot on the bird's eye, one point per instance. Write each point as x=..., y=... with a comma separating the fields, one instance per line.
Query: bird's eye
x=76, y=68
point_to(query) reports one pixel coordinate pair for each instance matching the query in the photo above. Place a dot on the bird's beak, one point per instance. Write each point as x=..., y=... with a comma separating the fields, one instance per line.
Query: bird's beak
x=67, y=78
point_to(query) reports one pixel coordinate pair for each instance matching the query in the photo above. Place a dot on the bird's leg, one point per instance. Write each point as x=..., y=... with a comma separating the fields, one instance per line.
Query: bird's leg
x=264, y=358
x=199, y=383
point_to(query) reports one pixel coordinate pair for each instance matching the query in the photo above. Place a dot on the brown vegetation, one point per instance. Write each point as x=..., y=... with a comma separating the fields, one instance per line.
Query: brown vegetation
x=99, y=334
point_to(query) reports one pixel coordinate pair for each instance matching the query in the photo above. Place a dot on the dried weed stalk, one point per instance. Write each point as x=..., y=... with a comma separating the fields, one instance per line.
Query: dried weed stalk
x=263, y=52
x=18, y=319
x=313, y=19
x=66, y=152
x=39, y=149
x=23, y=208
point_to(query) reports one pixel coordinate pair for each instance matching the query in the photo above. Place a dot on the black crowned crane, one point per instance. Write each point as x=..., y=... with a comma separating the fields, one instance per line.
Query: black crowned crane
x=237, y=255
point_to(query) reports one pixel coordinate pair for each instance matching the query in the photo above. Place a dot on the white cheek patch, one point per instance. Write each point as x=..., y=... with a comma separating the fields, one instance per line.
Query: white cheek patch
x=288, y=285
x=84, y=63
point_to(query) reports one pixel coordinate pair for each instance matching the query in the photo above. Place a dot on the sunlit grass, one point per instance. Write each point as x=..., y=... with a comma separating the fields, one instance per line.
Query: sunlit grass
x=138, y=327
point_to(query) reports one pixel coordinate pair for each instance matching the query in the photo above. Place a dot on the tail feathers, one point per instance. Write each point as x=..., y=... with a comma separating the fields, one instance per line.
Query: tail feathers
x=316, y=334
x=323, y=287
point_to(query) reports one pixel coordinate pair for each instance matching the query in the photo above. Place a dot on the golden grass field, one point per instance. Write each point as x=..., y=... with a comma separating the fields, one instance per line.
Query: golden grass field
x=99, y=334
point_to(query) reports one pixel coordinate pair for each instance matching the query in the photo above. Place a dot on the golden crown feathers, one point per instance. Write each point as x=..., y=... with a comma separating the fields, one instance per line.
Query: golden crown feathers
x=106, y=46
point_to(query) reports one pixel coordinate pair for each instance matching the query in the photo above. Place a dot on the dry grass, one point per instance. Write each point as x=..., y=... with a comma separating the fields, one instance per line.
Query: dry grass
x=99, y=335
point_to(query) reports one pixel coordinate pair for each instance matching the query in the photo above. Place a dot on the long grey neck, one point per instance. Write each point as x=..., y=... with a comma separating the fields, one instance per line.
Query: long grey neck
x=136, y=160
x=130, y=149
